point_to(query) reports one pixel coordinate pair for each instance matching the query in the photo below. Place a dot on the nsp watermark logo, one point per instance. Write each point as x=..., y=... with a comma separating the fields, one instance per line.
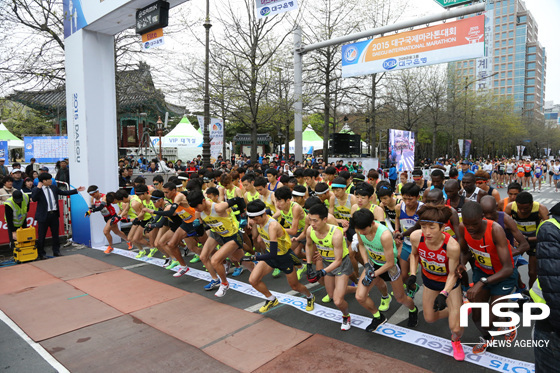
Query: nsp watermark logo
x=503, y=309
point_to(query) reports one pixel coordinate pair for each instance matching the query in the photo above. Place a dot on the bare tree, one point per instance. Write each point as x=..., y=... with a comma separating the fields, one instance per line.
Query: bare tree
x=434, y=98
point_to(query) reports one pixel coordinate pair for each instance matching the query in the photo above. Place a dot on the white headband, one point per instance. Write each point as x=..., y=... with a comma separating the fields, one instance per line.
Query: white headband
x=258, y=213
x=182, y=178
x=300, y=194
x=323, y=192
x=93, y=191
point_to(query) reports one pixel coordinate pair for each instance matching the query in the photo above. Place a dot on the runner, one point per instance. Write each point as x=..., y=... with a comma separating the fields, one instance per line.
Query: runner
x=278, y=255
x=331, y=245
x=224, y=232
x=513, y=190
x=104, y=204
x=379, y=252
x=454, y=199
x=139, y=200
x=341, y=203
x=292, y=218
x=470, y=190
x=265, y=195
x=494, y=274
x=419, y=180
x=528, y=215
x=439, y=255
x=528, y=168
x=482, y=180
x=389, y=204
x=538, y=174
x=273, y=183
x=408, y=216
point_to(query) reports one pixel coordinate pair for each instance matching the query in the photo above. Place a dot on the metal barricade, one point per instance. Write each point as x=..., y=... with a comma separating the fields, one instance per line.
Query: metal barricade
x=67, y=210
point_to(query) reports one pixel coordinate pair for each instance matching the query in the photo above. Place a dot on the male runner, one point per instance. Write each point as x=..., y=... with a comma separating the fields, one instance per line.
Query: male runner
x=470, y=190
x=439, y=255
x=513, y=190
x=528, y=215
x=138, y=201
x=265, y=195
x=278, y=255
x=379, y=252
x=331, y=245
x=494, y=274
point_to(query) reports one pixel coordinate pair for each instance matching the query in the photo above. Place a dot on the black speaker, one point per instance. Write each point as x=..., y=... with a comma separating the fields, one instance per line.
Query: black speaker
x=343, y=143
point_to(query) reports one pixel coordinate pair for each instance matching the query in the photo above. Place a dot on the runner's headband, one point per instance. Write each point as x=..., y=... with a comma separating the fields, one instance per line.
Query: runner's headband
x=324, y=191
x=255, y=214
x=338, y=186
x=93, y=191
x=182, y=178
x=155, y=198
x=299, y=194
x=430, y=221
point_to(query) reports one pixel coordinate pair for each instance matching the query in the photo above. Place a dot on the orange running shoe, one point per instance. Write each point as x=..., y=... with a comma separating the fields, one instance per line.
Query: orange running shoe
x=130, y=246
x=109, y=250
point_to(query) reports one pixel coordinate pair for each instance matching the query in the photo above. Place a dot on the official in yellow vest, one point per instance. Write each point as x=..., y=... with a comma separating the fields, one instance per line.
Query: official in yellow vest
x=15, y=213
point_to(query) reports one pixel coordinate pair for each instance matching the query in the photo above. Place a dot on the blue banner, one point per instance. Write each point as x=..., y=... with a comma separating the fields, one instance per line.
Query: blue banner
x=4, y=153
x=46, y=149
x=467, y=148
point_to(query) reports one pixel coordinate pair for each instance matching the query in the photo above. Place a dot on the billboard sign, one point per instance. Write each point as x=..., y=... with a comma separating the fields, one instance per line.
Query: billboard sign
x=452, y=3
x=484, y=66
x=401, y=149
x=45, y=149
x=268, y=8
x=216, y=130
x=447, y=42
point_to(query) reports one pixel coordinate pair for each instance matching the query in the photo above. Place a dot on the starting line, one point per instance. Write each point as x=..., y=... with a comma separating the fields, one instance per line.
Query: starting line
x=443, y=346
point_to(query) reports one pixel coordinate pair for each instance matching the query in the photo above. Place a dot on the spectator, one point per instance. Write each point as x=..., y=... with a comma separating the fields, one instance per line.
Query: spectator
x=18, y=180
x=43, y=170
x=393, y=175
x=27, y=185
x=179, y=167
x=63, y=174
x=152, y=167
x=15, y=213
x=32, y=166
x=545, y=290
x=8, y=189
x=3, y=169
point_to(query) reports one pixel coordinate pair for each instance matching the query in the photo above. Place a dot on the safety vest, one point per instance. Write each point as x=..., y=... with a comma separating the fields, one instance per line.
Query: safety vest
x=536, y=293
x=20, y=212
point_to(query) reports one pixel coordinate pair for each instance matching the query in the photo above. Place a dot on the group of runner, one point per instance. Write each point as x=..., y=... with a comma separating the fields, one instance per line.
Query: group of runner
x=348, y=233
x=530, y=174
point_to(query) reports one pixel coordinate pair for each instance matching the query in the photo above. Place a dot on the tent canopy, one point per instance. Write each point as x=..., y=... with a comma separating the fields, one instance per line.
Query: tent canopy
x=6, y=135
x=310, y=140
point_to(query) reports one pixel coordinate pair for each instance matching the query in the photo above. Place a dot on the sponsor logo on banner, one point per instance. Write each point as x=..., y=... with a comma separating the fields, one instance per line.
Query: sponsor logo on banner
x=351, y=54
x=76, y=124
x=451, y=41
x=499, y=310
x=266, y=8
x=390, y=64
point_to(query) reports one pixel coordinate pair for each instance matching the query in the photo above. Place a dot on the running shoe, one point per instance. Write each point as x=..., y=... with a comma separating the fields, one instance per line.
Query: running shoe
x=511, y=335
x=129, y=245
x=345, y=323
x=213, y=284
x=481, y=347
x=237, y=271
x=326, y=299
x=141, y=253
x=181, y=272
x=268, y=305
x=195, y=259
x=412, y=293
x=458, y=352
x=301, y=271
x=385, y=303
x=108, y=250
x=227, y=266
x=173, y=264
x=276, y=273
x=222, y=290
x=310, y=303
x=167, y=262
x=376, y=322
x=152, y=252
x=413, y=318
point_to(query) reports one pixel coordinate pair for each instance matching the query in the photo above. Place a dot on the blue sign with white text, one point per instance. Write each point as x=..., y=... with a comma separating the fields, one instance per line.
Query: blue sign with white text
x=45, y=149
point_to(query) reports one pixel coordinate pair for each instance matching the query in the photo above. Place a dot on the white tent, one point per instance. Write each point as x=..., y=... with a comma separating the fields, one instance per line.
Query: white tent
x=310, y=140
x=185, y=138
x=6, y=135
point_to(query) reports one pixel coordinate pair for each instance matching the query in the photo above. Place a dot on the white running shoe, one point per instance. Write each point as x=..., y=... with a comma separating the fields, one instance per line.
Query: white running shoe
x=222, y=290
x=181, y=272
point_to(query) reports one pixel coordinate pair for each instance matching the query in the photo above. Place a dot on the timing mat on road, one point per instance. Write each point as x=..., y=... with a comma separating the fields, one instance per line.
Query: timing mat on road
x=487, y=360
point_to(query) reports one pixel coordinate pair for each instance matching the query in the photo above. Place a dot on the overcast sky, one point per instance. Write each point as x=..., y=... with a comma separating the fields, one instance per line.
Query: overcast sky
x=547, y=14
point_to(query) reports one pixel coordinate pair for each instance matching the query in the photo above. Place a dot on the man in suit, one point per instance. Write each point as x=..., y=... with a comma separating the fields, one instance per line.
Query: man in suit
x=47, y=214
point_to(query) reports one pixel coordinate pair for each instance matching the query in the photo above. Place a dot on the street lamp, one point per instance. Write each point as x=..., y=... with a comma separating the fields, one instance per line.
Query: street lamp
x=467, y=84
x=159, y=133
x=206, y=129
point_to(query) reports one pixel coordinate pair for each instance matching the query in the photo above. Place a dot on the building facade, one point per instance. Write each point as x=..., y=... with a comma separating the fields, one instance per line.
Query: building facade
x=515, y=64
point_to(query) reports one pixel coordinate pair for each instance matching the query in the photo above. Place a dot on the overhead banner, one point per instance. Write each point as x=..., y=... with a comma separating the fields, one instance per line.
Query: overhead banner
x=468, y=148
x=45, y=149
x=152, y=39
x=216, y=130
x=268, y=8
x=401, y=149
x=4, y=153
x=451, y=41
x=484, y=64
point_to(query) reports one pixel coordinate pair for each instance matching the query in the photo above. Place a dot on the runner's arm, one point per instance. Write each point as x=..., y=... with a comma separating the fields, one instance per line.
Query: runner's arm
x=297, y=212
x=272, y=251
x=168, y=212
x=387, y=242
x=362, y=250
x=523, y=244
x=310, y=246
x=413, y=258
x=502, y=249
x=454, y=259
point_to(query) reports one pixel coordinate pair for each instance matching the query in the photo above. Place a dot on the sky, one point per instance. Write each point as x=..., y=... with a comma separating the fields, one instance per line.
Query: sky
x=546, y=13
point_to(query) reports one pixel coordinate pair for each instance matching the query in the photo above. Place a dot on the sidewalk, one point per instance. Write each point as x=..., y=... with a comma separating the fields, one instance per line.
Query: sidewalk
x=92, y=316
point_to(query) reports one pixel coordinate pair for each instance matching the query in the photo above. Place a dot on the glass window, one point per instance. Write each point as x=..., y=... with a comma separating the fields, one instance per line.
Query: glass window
x=511, y=26
x=510, y=42
x=530, y=98
x=510, y=74
x=510, y=66
x=502, y=91
x=530, y=81
x=510, y=50
x=471, y=63
x=522, y=19
x=497, y=29
x=531, y=74
x=531, y=57
x=510, y=34
x=530, y=90
x=532, y=50
x=510, y=58
x=503, y=75
x=509, y=82
x=509, y=90
x=502, y=83
x=531, y=65
x=503, y=58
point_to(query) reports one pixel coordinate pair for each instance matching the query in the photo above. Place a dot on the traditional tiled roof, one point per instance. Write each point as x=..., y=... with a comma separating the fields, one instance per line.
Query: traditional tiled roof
x=135, y=89
x=245, y=138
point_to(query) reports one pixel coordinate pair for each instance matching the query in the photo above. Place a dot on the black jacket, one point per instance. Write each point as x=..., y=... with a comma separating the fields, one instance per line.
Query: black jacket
x=37, y=195
x=548, y=261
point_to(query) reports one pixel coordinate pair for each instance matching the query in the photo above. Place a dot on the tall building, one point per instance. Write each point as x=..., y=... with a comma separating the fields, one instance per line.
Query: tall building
x=515, y=63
